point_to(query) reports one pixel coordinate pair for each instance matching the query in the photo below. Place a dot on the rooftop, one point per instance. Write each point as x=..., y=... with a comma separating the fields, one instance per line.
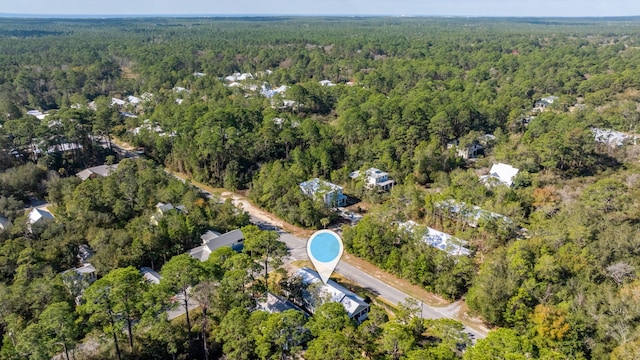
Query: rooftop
x=315, y=185
x=352, y=303
x=503, y=173
x=101, y=170
x=439, y=240
x=150, y=275
x=274, y=304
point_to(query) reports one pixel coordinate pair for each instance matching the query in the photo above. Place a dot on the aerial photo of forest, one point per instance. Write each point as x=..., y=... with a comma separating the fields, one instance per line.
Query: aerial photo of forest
x=159, y=178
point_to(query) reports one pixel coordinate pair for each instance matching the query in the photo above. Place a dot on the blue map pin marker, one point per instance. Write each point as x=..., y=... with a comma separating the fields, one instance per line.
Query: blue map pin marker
x=325, y=249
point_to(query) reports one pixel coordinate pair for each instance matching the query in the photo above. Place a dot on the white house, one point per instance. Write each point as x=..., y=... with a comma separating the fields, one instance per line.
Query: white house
x=37, y=114
x=327, y=83
x=150, y=275
x=543, y=103
x=613, y=138
x=134, y=100
x=212, y=240
x=4, y=223
x=501, y=173
x=317, y=292
x=78, y=279
x=374, y=178
x=331, y=194
x=471, y=214
x=93, y=172
x=116, y=101
x=37, y=215
x=439, y=240
x=275, y=304
x=466, y=152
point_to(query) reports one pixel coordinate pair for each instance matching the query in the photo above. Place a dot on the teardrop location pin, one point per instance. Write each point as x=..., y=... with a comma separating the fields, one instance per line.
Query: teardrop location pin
x=325, y=249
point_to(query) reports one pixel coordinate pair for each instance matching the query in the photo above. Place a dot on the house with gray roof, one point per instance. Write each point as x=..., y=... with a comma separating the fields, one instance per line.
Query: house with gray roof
x=150, y=275
x=211, y=241
x=275, y=304
x=93, y=172
x=437, y=239
x=316, y=293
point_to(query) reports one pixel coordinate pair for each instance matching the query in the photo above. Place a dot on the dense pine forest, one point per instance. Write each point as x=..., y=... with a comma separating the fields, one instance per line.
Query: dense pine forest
x=259, y=105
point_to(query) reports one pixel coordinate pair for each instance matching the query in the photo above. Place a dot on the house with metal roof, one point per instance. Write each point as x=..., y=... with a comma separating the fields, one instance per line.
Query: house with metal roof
x=439, y=240
x=330, y=194
x=100, y=170
x=500, y=173
x=211, y=241
x=317, y=292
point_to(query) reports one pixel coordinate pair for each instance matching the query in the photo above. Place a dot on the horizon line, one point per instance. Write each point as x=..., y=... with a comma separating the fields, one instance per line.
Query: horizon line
x=117, y=16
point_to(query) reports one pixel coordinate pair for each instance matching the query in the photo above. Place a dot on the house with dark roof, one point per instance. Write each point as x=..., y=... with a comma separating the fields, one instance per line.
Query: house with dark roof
x=316, y=293
x=211, y=241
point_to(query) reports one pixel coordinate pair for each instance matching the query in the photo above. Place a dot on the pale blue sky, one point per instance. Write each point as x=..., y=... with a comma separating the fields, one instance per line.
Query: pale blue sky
x=325, y=7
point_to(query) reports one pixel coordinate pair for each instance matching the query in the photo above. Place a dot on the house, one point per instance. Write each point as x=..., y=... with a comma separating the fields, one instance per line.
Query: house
x=439, y=240
x=470, y=214
x=64, y=147
x=211, y=241
x=199, y=74
x=37, y=114
x=116, y=101
x=162, y=209
x=613, y=138
x=238, y=77
x=84, y=253
x=37, y=215
x=180, y=89
x=4, y=223
x=501, y=173
x=374, y=178
x=82, y=276
x=317, y=293
x=275, y=304
x=150, y=275
x=543, y=103
x=94, y=172
x=268, y=92
x=331, y=194
x=467, y=152
x=78, y=279
x=327, y=83
x=134, y=100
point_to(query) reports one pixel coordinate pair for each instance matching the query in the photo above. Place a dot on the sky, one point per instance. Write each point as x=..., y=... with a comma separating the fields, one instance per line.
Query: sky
x=520, y=8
